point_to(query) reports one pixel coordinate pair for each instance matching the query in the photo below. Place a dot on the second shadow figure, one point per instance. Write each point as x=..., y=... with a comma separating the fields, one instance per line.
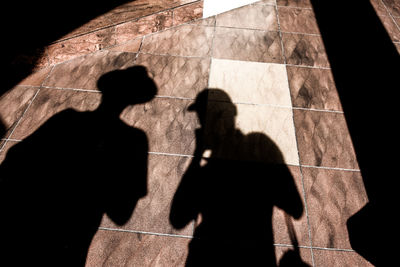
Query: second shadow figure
x=231, y=192
x=56, y=185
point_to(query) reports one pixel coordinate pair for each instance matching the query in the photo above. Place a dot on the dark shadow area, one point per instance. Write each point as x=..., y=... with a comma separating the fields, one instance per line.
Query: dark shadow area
x=57, y=184
x=365, y=66
x=231, y=193
x=29, y=26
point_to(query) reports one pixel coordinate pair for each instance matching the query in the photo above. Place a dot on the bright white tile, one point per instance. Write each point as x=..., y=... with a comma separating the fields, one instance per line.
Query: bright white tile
x=215, y=7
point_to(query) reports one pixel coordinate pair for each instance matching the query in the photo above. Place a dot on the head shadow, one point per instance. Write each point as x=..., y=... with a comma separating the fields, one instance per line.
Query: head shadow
x=72, y=171
x=231, y=187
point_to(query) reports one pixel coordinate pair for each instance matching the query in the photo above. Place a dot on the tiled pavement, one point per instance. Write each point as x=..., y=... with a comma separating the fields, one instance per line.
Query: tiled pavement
x=269, y=58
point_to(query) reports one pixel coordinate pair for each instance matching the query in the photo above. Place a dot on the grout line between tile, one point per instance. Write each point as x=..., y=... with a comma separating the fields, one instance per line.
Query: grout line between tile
x=129, y=20
x=319, y=110
x=298, y=153
x=295, y=7
x=330, y=168
x=280, y=33
x=23, y=114
x=10, y=139
x=299, y=165
x=310, y=67
x=72, y=89
x=170, y=154
x=390, y=14
x=316, y=248
x=302, y=33
x=211, y=100
x=191, y=237
x=143, y=232
x=171, y=55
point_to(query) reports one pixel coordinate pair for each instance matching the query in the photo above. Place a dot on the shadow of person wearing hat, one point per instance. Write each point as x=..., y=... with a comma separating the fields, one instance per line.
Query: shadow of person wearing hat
x=230, y=188
x=57, y=184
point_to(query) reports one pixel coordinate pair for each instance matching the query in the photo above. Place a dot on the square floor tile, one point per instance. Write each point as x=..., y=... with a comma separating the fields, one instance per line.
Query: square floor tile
x=36, y=78
x=167, y=123
x=391, y=27
x=132, y=46
x=272, y=126
x=305, y=50
x=50, y=102
x=393, y=6
x=324, y=139
x=133, y=29
x=177, y=76
x=188, y=13
x=112, y=248
x=294, y=3
x=81, y=45
x=84, y=72
x=247, y=45
x=152, y=211
x=283, y=253
x=184, y=40
x=250, y=82
x=212, y=7
x=4, y=147
x=313, y=88
x=339, y=259
x=297, y=20
x=333, y=196
x=300, y=226
x=379, y=7
x=260, y=17
x=13, y=105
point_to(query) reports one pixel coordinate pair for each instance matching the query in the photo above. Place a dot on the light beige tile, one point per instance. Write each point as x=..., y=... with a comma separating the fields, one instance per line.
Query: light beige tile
x=251, y=82
x=272, y=124
x=260, y=17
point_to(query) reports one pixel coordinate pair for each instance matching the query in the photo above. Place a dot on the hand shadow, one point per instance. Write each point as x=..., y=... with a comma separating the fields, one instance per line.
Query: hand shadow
x=230, y=194
x=57, y=184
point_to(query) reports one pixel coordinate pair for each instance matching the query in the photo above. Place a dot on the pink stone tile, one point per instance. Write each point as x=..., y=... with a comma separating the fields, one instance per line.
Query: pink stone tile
x=281, y=229
x=110, y=248
x=49, y=102
x=4, y=147
x=184, y=40
x=379, y=7
x=82, y=45
x=287, y=256
x=393, y=6
x=152, y=211
x=305, y=50
x=13, y=105
x=333, y=196
x=324, y=140
x=339, y=259
x=313, y=88
x=84, y=72
x=143, y=26
x=188, y=13
x=130, y=46
x=36, y=78
x=297, y=20
x=177, y=76
x=295, y=3
x=391, y=26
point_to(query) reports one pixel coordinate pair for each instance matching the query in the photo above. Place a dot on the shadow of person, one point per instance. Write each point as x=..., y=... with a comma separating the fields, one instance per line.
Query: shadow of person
x=231, y=192
x=58, y=183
